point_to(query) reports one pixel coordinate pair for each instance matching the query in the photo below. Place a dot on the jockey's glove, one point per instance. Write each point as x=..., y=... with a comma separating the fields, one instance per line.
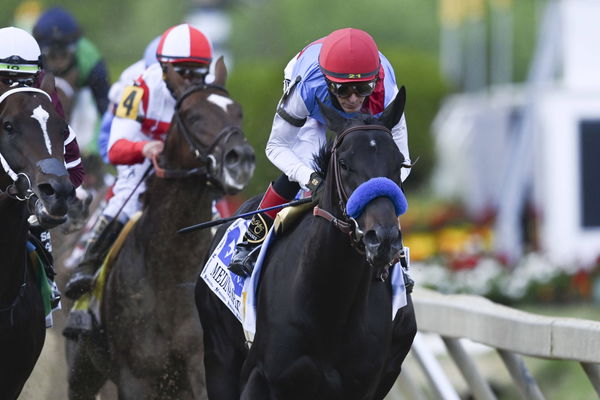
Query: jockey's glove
x=315, y=184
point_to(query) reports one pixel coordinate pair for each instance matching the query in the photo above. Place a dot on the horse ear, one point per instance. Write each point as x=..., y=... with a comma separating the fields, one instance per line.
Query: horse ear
x=335, y=121
x=48, y=84
x=392, y=114
x=174, y=81
x=220, y=72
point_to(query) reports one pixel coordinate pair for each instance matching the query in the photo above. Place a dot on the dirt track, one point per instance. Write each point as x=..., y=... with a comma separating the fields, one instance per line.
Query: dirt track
x=49, y=378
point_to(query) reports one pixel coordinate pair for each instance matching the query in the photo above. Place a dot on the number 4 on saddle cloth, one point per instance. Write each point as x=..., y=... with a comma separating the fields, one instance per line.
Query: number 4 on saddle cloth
x=239, y=293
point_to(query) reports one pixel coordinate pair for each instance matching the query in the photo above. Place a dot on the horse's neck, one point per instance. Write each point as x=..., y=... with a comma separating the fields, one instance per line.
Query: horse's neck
x=181, y=200
x=174, y=204
x=13, y=236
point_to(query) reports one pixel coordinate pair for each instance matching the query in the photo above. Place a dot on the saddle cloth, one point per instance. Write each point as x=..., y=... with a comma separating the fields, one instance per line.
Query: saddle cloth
x=239, y=294
x=42, y=279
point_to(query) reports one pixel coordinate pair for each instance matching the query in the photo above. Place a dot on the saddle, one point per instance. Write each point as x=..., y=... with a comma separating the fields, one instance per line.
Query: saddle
x=239, y=294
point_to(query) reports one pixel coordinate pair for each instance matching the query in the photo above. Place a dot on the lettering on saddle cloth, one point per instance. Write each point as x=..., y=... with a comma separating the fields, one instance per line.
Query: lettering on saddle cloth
x=225, y=284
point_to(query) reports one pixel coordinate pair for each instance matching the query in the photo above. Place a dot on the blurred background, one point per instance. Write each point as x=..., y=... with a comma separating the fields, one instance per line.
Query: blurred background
x=503, y=114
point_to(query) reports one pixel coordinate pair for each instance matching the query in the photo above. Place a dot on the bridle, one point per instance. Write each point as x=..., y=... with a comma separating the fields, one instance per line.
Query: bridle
x=14, y=190
x=208, y=160
x=345, y=224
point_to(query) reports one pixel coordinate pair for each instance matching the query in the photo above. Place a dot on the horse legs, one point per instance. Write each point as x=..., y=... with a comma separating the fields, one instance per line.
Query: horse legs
x=85, y=380
x=403, y=332
x=132, y=387
x=256, y=387
x=195, y=374
x=224, y=345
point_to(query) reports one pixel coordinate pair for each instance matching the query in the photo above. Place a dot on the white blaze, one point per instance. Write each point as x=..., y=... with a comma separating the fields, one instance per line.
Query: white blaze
x=42, y=116
x=219, y=100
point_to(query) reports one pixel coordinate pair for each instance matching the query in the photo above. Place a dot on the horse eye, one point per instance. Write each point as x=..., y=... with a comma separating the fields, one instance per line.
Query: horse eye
x=343, y=165
x=8, y=126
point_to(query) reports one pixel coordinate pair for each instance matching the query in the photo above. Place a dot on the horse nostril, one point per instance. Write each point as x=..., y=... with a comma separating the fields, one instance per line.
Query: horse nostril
x=46, y=189
x=232, y=158
x=370, y=239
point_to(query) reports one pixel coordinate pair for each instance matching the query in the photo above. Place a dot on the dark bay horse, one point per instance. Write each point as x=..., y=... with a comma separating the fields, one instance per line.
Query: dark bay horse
x=153, y=335
x=324, y=326
x=32, y=136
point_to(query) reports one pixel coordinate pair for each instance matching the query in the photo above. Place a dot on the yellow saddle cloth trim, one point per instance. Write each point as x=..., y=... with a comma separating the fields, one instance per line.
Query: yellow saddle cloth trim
x=92, y=301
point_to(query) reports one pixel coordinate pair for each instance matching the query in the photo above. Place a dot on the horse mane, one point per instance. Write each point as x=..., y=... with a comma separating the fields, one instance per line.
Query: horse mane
x=321, y=158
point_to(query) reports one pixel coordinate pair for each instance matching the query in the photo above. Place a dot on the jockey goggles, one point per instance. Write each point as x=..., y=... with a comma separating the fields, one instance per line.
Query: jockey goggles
x=59, y=49
x=362, y=89
x=191, y=72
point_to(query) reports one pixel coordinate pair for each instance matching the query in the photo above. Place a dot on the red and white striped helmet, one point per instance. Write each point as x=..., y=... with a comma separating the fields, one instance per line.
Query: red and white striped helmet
x=184, y=43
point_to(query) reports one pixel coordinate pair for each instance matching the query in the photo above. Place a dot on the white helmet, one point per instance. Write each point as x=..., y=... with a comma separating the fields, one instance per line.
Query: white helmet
x=19, y=52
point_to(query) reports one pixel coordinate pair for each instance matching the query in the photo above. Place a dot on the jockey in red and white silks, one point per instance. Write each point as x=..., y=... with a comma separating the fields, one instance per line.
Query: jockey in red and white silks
x=145, y=117
x=138, y=130
x=145, y=111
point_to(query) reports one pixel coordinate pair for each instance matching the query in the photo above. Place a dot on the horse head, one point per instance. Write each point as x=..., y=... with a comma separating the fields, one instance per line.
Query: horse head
x=32, y=137
x=209, y=140
x=362, y=182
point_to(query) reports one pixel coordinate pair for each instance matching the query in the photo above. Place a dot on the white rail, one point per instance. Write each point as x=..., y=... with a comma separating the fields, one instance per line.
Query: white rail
x=511, y=332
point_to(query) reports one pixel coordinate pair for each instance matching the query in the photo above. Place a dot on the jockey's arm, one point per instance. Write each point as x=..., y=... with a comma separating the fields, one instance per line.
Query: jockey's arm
x=71, y=149
x=400, y=135
x=73, y=159
x=282, y=147
x=126, y=142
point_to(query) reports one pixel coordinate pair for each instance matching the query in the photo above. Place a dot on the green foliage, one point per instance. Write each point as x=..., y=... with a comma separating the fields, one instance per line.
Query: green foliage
x=121, y=30
x=425, y=89
x=257, y=85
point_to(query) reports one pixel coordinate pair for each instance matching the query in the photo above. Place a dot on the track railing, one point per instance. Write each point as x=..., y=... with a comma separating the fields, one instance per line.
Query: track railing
x=512, y=333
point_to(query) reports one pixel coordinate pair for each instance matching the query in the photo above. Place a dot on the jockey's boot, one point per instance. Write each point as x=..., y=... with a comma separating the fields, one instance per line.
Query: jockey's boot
x=246, y=252
x=104, y=233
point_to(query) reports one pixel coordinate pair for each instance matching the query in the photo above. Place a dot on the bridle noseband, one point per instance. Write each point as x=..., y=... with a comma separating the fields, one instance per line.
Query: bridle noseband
x=13, y=190
x=346, y=224
x=205, y=155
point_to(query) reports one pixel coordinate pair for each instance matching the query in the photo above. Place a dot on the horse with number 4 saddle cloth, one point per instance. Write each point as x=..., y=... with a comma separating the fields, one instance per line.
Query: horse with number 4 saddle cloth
x=327, y=313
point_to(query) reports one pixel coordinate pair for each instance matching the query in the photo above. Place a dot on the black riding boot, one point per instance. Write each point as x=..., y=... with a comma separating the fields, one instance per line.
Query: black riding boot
x=103, y=235
x=246, y=252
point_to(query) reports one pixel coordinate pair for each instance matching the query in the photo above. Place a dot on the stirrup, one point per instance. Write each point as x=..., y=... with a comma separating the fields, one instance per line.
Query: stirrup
x=55, y=294
x=79, y=284
x=243, y=264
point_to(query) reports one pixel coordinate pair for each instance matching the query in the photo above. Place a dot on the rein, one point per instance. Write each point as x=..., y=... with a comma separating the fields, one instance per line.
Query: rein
x=346, y=224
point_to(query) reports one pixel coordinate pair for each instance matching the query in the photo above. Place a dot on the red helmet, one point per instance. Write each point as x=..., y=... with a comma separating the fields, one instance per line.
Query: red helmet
x=349, y=55
x=184, y=43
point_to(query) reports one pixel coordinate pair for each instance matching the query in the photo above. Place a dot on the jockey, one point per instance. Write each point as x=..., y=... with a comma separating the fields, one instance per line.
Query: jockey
x=344, y=70
x=71, y=56
x=138, y=131
x=127, y=77
x=20, y=65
